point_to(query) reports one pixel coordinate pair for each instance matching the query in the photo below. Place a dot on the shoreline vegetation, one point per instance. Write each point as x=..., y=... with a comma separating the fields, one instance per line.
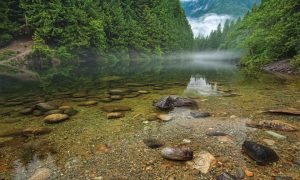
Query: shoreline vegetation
x=100, y=35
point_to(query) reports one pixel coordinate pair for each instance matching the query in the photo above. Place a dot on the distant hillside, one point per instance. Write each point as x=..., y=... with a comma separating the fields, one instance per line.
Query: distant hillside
x=197, y=8
x=205, y=15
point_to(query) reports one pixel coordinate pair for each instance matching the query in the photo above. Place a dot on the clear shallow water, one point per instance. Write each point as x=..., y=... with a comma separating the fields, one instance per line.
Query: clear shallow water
x=90, y=146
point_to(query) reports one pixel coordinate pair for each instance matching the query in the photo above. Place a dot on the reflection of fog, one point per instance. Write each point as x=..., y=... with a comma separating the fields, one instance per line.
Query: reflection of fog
x=199, y=86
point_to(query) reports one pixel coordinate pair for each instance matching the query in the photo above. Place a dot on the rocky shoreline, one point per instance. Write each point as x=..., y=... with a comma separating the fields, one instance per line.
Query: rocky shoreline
x=282, y=66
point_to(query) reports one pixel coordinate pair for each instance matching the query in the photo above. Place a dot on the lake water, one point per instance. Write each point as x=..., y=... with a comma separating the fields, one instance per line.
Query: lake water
x=90, y=146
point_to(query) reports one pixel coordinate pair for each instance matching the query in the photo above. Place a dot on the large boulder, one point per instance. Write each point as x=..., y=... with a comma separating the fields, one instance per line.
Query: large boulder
x=169, y=102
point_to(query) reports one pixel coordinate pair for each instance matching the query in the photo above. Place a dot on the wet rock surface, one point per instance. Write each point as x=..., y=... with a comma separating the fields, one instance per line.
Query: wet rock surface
x=153, y=143
x=116, y=108
x=274, y=125
x=198, y=114
x=263, y=155
x=227, y=176
x=169, y=102
x=202, y=161
x=115, y=115
x=177, y=153
x=55, y=118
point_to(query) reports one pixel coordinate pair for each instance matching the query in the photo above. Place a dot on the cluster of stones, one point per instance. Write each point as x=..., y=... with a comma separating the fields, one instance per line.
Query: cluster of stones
x=53, y=113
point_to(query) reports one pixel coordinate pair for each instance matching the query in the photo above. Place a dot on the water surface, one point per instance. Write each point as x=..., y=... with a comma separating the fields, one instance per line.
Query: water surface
x=90, y=146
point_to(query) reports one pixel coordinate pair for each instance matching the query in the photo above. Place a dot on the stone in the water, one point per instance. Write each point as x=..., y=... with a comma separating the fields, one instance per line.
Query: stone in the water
x=177, y=153
x=216, y=133
x=26, y=132
x=106, y=100
x=88, y=103
x=118, y=91
x=164, y=117
x=169, y=102
x=64, y=107
x=133, y=95
x=41, y=174
x=153, y=143
x=80, y=94
x=116, y=97
x=283, y=178
x=55, y=118
x=198, y=114
x=36, y=131
x=45, y=107
x=116, y=108
x=274, y=125
x=56, y=111
x=240, y=173
x=261, y=154
x=115, y=115
x=202, y=161
x=269, y=142
x=143, y=92
x=38, y=112
x=289, y=111
x=9, y=104
x=70, y=112
x=79, y=99
x=276, y=135
x=227, y=176
x=27, y=111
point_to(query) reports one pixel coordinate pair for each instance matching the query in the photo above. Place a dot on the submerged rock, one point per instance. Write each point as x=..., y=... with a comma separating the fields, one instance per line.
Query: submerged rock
x=56, y=111
x=38, y=112
x=177, y=153
x=115, y=115
x=261, y=154
x=202, y=161
x=289, y=111
x=169, y=102
x=216, y=133
x=26, y=111
x=227, y=176
x=70, y=112
x=276, y=135
x=118, y=91
x=41, y=174
x=88, y=103
x=55, y=118
x=269, y=142
x=116, y=108
x=133, y=95
x=45, y=107
x=9, y=104
x=274, y=125
x=26, y=132
x=153, y=143
x=80, y=94
x=116, y=97
x=164, y=117
x=106, y=100
x=198, y=114
x=143, y=92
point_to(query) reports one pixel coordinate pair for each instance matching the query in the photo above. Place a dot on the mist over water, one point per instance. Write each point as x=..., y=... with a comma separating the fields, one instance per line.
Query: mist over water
x=206, y=60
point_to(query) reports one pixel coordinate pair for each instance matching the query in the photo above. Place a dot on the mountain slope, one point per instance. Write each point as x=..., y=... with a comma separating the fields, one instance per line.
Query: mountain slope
x=205, y=15
x=197, y=8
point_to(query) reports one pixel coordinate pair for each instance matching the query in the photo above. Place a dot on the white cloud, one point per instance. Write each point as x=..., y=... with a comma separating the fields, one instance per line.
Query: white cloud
x=205, y=24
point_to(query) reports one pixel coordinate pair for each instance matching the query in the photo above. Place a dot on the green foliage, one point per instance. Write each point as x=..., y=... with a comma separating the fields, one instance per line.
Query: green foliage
x=270, y=32
x=6, y=54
